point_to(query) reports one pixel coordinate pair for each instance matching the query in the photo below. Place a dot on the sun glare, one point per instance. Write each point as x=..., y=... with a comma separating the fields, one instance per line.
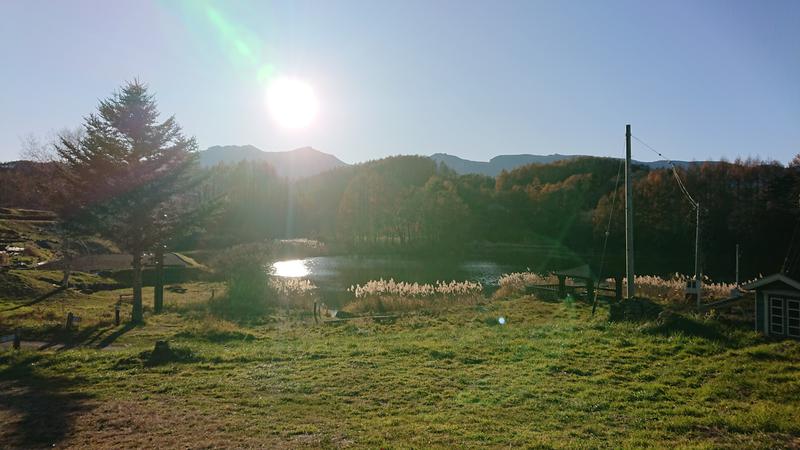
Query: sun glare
x=293, y=268
x=292, y=103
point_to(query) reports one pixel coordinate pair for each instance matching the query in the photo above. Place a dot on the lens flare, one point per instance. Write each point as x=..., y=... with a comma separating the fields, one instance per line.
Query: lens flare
x=292, y=102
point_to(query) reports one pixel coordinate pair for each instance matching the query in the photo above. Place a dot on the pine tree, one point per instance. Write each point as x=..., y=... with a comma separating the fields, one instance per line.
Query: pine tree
x=125, y=173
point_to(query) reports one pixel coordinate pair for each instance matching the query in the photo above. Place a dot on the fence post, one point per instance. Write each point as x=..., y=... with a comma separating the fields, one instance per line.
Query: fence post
x=562, y=286
x=17, y=339
x=618, y=288
x=68, y=326
x=116, y=313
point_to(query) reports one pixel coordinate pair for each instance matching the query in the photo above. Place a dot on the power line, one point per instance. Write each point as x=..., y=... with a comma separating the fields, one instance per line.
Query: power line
x=698, y=278
x=786, y=265
x=608, y=229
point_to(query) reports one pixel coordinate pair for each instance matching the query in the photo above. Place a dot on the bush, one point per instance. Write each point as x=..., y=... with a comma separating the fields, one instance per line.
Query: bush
x=293, y=292
x=379, y=296
x=671, y=290
x=244, y=269
x=516, y=283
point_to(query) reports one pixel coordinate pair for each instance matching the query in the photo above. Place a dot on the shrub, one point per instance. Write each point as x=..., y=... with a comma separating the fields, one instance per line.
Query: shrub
x=382, y=296
x=244, y=269
x=382, y=287
x=33, y=252
x=516, y=282
x=293, y=291
x=672, y=289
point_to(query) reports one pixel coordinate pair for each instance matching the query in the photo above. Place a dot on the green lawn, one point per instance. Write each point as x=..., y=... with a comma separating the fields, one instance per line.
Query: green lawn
x=552, y=376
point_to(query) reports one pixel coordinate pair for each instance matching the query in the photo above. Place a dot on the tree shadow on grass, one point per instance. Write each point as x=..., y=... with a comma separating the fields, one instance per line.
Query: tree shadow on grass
x=38, y=299
x=677, y=324
x=108, y=340
x=92, y=336
x=637, y=310
x=41, y=409
x=664, y=322
x=88, y=336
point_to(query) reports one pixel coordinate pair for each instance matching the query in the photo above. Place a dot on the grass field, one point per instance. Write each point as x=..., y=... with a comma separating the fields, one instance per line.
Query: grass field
x=552, y=376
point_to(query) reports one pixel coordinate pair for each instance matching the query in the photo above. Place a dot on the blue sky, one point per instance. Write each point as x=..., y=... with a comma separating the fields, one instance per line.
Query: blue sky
x=696, y=79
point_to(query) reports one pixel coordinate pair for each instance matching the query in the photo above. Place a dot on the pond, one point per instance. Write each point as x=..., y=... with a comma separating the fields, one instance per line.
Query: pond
x=333, y=275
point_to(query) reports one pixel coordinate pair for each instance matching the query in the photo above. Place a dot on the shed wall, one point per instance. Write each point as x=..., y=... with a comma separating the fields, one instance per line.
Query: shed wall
x=761, y=311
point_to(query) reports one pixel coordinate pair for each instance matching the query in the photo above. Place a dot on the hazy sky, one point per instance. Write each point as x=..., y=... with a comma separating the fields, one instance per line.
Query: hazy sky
x=696, y=79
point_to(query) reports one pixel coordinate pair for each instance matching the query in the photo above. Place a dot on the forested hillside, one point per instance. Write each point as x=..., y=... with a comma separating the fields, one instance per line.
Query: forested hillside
x=413, y=204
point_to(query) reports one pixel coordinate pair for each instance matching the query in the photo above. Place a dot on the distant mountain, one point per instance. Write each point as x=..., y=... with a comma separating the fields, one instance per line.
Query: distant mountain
x=499, y=163
x=496, y=164
x=294, y=164
x=306, y=161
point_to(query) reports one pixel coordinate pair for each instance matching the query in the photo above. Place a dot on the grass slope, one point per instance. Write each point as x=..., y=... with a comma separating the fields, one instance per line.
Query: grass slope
x=553, y=376
x=35, y=231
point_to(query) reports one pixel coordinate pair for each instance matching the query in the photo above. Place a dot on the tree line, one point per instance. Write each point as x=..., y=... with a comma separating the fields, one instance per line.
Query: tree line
x=411, y=204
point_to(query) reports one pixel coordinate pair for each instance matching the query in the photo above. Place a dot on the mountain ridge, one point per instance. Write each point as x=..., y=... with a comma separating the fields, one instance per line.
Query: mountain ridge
x=497, y=164
x=306, y=161
x=298, y=163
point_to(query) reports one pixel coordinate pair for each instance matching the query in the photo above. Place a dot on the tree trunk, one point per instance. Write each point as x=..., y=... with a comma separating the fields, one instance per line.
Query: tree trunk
x=67, y=270
x=158, y=288
x=137, y=315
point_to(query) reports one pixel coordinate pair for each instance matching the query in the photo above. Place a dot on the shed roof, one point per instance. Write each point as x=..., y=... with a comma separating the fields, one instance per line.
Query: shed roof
x=773, y=279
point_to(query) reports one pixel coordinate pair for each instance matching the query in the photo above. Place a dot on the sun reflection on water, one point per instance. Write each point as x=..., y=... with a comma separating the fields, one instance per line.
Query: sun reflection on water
x=293, y=268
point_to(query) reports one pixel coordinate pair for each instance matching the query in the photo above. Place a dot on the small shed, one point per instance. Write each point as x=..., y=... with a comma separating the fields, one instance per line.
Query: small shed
x=777, y=305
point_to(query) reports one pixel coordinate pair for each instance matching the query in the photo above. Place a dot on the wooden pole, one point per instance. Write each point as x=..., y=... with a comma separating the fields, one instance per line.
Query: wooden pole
x=631, y=290
x=158, y=286
x=697, y=281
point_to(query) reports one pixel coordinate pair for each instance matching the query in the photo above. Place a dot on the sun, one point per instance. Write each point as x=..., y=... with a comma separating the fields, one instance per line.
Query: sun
x=292, y=102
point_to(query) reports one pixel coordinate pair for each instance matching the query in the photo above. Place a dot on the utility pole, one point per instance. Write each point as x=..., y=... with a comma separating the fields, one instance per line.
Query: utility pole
x=631, y=291
x=697, y=281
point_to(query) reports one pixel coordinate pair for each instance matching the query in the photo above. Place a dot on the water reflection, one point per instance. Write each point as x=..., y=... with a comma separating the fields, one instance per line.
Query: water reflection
x=293, y=268
x=333, y=275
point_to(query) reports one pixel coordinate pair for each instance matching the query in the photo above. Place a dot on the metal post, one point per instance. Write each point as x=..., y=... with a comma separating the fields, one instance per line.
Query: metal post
x=631, y=290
